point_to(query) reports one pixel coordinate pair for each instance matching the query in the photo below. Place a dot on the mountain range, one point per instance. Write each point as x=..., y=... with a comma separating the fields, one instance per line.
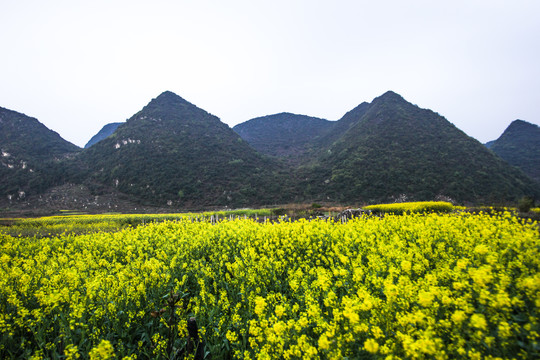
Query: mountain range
x=172, y=153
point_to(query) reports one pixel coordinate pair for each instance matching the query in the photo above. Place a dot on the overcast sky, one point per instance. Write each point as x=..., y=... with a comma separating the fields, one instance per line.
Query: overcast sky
x=78, y=65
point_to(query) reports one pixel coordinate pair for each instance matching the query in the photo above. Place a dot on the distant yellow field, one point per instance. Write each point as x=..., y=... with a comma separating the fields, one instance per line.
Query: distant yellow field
x=412, y=207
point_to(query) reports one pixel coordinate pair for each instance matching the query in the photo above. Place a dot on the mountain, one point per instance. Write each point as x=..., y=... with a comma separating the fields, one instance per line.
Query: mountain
x=391, y=149
x=105, y=132
x=519, y=145
x=33, y=157
x=176, y=153
x=172, y=153
x=341, y=127
x=283, y=135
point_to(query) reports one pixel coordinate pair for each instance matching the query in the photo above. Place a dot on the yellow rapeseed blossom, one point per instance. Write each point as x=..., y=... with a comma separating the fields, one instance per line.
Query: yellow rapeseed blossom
x=279, y=310
x=400, y=287
x=478, y=321
x=102, y=351
x=71, y=352
x=371, y=346
x=425, y=298
x=323, y=342
x=260, y=305
x=458, y=317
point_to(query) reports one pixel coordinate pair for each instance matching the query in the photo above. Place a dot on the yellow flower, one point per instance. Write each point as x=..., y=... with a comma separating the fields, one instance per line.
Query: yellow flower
x=260, y=304
x=102, y=351
x=323, y=342
x=505, y=331
x=478, y=321
x=371, y=346
x=279, y=328
x=349, y=313
x=425, y=298
x=458, y=316
x=481, y=249
x=71, y=352
x=406, y=266
x=377, y=332
x=481, y=276
x=462, y=264
x=280, y=310
x=231, y=336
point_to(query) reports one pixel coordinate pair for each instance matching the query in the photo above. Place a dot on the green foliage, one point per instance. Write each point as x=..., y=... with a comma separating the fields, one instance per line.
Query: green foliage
x=525, y=204
x=519, y=145
x=284, y=135
x=279, y=211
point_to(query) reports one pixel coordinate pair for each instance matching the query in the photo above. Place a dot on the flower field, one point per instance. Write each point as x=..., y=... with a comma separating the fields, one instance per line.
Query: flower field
x=415, y=286
x=411, y=207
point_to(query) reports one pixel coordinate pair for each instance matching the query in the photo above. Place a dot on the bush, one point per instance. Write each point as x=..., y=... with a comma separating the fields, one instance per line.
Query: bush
x=279, y=211
x=525, y=204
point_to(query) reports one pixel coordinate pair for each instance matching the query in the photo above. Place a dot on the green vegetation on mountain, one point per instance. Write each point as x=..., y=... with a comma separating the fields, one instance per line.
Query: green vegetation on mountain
x=32, y=157
x=341, y=127
x=174, y=152
x=105, y=132
x=283, y=135
x=519, y=145
x=394, y=149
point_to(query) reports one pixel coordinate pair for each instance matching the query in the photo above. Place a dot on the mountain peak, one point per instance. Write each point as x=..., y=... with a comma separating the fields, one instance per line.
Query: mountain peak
x=168, y=93
x=168, y=97
x=390, y=97
x=520, y=128
x=520, y=124
x=170, y=106
x=519, y=145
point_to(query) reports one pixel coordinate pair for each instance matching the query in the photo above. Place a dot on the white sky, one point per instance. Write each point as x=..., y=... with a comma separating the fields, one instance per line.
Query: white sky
x=78, y=65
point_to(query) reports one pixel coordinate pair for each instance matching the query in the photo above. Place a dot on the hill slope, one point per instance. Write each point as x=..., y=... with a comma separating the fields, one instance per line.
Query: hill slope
x=283, y=135
x=174, y=152
x=392, y=147
x=105, y=132
x=519, y=145
x=32, y=156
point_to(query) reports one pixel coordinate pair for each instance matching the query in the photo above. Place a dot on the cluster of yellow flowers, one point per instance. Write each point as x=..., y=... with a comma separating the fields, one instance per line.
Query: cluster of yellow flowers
x=412, y=207
x=398, y=287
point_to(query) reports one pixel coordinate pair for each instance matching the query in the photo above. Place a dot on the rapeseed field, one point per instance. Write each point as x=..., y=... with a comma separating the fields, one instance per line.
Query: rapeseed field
x=414, y=286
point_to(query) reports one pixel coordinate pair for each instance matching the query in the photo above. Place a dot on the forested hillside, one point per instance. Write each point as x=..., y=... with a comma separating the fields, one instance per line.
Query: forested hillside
x=33, y=157
x=392, y=148
x=174, y=152
x=284, y=135
x=519, y=145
